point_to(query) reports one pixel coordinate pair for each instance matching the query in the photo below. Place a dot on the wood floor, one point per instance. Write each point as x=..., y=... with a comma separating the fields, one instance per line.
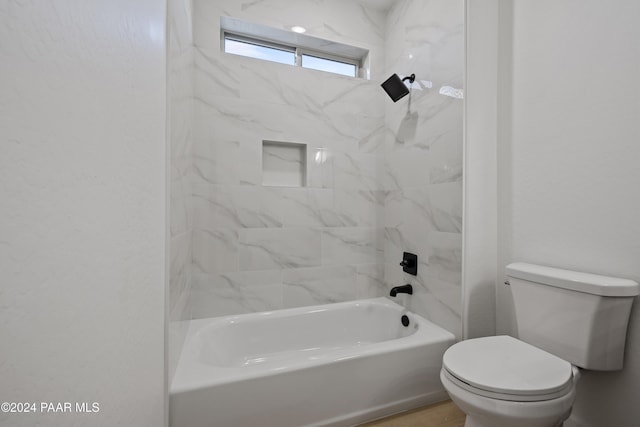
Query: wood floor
x=443, y=414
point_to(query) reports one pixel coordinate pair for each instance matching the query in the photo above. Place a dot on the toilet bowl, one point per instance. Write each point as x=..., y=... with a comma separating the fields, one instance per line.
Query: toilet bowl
x=503, y=382
x=566, y=320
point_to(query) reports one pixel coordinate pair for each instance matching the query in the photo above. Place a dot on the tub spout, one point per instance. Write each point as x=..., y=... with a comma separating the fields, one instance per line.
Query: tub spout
x=405, y=289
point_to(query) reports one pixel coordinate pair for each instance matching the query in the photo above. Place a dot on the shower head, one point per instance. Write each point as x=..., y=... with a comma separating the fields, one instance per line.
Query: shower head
x=395, y=87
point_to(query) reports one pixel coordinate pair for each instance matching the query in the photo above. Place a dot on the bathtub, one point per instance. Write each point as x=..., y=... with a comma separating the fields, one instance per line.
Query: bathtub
x=329, y=365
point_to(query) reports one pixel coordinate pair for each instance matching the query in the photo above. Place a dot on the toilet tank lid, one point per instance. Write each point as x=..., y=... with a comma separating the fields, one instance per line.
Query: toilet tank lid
x=574, y=280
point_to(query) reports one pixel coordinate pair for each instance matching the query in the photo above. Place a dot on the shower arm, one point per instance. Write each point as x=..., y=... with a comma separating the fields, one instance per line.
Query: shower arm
x=411, y=78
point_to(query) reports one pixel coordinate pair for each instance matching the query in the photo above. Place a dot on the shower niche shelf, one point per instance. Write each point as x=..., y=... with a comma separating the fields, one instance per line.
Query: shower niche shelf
x=284, y=164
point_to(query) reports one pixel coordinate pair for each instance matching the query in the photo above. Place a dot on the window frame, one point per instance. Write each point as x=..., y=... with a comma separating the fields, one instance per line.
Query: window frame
x=298, y=52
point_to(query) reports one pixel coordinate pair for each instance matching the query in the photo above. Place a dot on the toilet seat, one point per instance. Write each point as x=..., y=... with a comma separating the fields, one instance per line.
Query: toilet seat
x=505, y=368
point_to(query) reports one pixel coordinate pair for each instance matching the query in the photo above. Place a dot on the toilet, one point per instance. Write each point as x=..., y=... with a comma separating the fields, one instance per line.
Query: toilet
x=567, y=321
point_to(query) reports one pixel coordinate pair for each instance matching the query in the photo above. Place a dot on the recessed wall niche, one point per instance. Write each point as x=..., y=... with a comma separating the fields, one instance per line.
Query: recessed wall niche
x=284, y=164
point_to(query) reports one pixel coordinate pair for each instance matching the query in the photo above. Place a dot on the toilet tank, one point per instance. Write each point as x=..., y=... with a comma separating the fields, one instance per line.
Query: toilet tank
x=580, y=317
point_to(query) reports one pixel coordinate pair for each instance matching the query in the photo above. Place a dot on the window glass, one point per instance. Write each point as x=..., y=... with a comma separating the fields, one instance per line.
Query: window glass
x=324, y=64
x=253, y=50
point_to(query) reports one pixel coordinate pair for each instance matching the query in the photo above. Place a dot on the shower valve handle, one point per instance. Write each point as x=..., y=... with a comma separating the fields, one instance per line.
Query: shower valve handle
x=409, y=263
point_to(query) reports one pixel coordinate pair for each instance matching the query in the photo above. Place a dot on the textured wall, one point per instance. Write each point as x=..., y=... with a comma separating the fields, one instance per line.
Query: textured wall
x=423, y=156
x=257, y=247
x=180, y=130
x=82, y=218
x=573, y=163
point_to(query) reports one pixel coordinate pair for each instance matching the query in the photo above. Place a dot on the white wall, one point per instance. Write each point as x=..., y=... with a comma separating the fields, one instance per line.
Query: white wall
x=573, y=170
x=480, y=224
x=82, y=223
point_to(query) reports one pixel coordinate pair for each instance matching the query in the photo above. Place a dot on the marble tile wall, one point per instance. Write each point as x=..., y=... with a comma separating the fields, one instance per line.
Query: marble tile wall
x=382, y=178
x=261, y=247
x=181, y=131
x=423, y=156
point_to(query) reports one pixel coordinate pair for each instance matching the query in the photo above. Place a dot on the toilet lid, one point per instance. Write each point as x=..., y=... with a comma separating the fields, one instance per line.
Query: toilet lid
x=508, y=366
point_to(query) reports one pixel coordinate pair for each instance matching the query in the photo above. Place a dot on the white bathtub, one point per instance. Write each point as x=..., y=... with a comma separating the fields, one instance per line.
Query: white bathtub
x=329, y=365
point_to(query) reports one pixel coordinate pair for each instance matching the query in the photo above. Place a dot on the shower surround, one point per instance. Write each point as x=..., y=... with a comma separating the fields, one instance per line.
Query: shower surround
x=381, y=177
x=423, y=156
x=260, y=247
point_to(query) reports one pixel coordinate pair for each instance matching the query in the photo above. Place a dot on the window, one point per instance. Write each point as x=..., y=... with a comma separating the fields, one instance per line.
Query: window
x=330, y=65
x=255, y=49
x=291, y=55
x=302, y=51
x=260, y=41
